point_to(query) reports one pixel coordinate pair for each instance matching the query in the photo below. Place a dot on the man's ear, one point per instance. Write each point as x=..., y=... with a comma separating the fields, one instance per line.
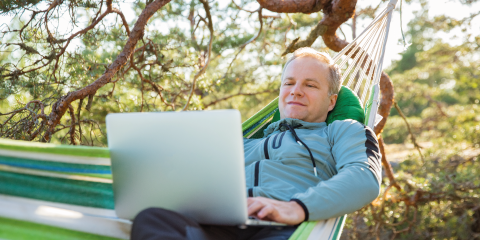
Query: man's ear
x=333, y=101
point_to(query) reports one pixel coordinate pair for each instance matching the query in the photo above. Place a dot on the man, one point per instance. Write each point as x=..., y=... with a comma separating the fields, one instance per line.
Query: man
x=301, y=170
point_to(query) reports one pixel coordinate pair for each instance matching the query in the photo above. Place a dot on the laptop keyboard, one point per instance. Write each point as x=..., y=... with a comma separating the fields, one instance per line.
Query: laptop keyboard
x=256, y=222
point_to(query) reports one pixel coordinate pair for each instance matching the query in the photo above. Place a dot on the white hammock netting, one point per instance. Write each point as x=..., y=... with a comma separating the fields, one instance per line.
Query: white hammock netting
x=361, y=62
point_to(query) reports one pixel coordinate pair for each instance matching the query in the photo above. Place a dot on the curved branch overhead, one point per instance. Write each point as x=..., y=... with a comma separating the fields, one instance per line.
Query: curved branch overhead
x=336, y=12
x=340, y=12
x=294, y=6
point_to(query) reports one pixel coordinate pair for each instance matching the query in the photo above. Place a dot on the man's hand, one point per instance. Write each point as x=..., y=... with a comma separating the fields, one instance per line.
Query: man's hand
x=290, y=213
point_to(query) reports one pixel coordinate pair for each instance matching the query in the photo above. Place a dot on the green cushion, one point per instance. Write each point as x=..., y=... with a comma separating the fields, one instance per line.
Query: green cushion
x=348, y=107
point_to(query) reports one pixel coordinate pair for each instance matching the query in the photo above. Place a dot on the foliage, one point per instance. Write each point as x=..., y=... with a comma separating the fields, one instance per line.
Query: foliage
x=437, y=88
x=7, y=6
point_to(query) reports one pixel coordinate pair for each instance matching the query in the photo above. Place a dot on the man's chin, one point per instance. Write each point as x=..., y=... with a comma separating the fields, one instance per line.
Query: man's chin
x=296, y=116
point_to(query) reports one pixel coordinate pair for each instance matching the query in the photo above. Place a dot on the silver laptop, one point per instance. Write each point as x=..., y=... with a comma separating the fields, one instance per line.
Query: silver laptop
x=188, y=162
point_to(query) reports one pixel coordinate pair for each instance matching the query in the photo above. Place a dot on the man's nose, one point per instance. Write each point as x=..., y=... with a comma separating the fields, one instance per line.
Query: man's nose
x=296, y=90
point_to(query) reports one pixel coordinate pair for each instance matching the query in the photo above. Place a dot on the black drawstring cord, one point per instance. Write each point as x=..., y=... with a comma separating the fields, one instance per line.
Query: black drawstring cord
x=299, y=141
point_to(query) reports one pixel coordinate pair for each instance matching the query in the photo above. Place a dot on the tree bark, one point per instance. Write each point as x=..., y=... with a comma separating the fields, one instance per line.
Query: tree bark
x=60, y=107
x=336, y=12
x=386, y=101
x=294, y=6
x=387, y=166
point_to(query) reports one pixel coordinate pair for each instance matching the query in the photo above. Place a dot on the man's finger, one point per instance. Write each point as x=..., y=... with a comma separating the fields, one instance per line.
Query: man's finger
x=255, y=207
x=268, y=211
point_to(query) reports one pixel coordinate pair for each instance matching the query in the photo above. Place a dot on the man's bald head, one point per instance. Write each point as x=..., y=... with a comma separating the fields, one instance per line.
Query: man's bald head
x=334, y=71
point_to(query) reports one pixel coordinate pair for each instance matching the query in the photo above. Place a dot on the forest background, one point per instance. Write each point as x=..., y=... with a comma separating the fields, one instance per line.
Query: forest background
x=64, y=65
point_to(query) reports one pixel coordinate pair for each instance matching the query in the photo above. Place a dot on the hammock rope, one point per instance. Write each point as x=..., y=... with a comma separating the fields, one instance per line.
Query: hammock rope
x=361, y=62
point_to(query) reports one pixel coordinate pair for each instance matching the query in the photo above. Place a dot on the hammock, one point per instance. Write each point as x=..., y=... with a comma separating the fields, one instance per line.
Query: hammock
x=50, y=191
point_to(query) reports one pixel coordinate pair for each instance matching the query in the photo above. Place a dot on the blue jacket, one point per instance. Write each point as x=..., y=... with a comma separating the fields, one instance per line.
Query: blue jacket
x=346, y=157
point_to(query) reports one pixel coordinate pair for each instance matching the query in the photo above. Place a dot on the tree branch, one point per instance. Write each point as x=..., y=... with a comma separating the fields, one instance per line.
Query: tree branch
x=124, y=20
x=59, y=108
x=249, y=41
x=235, y=95
x=155, y=87
x=387, y=91
x=293, y=6
x=242, y=9
x=78, y=119
x=209, y=53
x=412, y=137
x=72, y=126
x=335, y=14
x=387, y=166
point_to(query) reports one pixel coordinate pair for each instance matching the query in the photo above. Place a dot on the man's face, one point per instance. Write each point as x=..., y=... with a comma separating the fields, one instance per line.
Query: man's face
x=304, y=91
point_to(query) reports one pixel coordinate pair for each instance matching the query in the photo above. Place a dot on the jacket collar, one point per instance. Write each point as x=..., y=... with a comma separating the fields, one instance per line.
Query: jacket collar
x=292, y=122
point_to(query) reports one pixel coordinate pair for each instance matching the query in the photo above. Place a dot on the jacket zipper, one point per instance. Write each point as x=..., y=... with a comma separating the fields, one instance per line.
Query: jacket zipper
x=257, y=172
x=265, y=148
x=257, y=168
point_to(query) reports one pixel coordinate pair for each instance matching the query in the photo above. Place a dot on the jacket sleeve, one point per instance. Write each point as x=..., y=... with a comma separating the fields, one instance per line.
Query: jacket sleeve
x=357, y=183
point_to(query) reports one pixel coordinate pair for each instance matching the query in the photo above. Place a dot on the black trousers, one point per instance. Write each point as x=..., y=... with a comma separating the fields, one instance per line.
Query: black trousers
x=157, y=223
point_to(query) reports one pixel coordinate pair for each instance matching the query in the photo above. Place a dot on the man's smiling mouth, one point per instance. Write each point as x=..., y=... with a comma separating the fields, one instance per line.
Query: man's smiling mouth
x=296, y=103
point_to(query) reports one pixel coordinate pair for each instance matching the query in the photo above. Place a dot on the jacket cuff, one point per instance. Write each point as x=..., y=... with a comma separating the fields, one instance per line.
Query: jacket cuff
x=303, y=207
